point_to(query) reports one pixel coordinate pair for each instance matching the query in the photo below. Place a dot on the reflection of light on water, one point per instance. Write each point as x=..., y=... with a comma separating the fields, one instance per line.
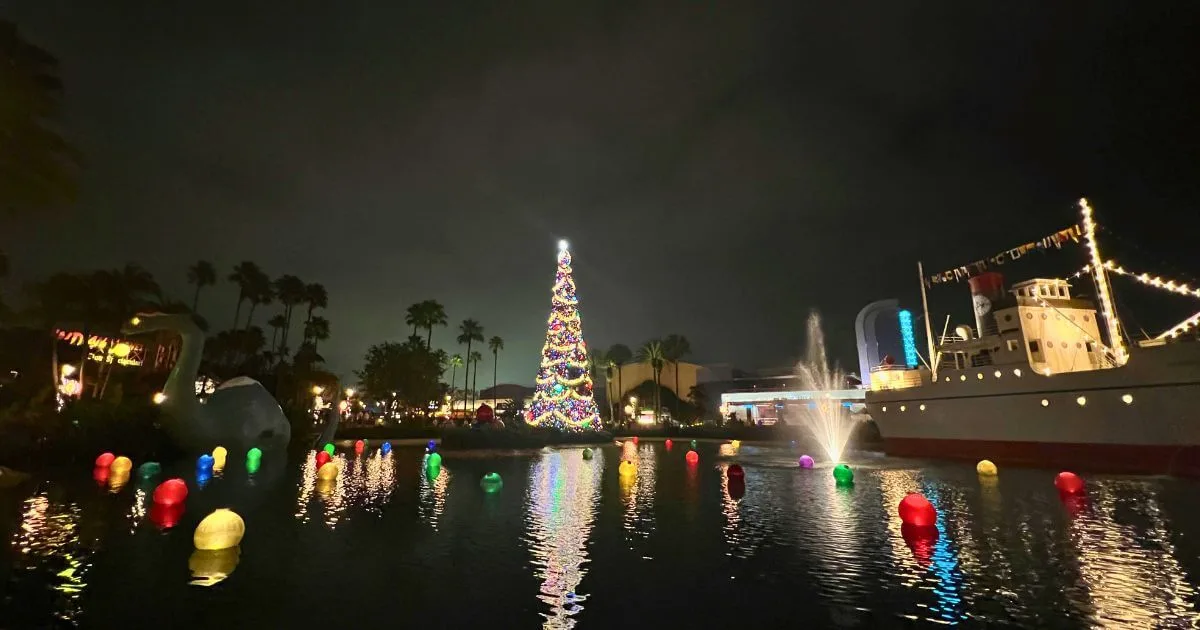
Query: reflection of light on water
x=308, y=481
x=563, y=494
x=637, y=493
x=335, y=495
x=137, y=512
x=733, y=516
x=212, y=566
x=1133, y=577
x=945, y=566
x=726, y=450
x=380, y=481
x=433, y=495
x=48, y=541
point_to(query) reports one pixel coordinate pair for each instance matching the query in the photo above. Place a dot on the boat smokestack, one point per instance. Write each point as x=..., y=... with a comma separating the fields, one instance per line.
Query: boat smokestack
x=987, y=291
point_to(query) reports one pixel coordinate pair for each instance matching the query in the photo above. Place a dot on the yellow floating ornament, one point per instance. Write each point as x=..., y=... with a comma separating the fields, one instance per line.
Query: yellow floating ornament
x=986, y=468
x=627, y=468
x=220, y=530
x=117, y=480
x=219, y=454
x=736, y=443
x=121, y=464
x=328, y=472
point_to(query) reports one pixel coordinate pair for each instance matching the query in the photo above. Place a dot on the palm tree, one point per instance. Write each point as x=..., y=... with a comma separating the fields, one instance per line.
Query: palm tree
x=415, y=316
x=276, y=323
x=291, y=292
x=38, y=170
x=652, y=353
x=456, y=361
x=469, y=331
x=202, y=274
x=495, y=344
x=675, y=347
x=434, y=315
x=474, y=357
x=316, y=329
x=619, y=354
x=601, y=361
x=244, y=275
x=261, y=293
x=316, y=297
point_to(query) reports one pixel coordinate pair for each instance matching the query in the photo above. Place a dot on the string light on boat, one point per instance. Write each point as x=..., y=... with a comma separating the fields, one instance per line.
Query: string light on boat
x=1127, y=399
x=1102, y=288
x=1153, y=281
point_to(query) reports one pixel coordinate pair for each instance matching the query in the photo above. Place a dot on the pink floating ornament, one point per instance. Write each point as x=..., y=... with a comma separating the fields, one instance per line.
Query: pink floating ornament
x=735, y=472
x=171, y=492
x=806, y=461
x=692, y=457
x=105, y=460
x=634, y=440
x=322, y=459
x=917, y=511
x=1068, y=483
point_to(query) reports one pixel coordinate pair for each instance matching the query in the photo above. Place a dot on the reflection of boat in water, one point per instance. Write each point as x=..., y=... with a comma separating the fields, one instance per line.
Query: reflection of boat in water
x=1046, y=378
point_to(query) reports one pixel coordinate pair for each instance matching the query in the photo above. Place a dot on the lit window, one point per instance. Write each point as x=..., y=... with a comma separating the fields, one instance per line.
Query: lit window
x=996, y=373
x=947, y=379
x=1012, y=345
x=1081, y=401
x=962, y=377
x=1033, y=347
x=902, y=408
x=885, y=409
x=922, y=406
x=1045, y=403
x=1127, y=399
x=1017, y=372
x=979, y=375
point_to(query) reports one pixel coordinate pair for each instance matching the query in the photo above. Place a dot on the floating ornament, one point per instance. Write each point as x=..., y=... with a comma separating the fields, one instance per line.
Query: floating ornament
x=692, y=457
x=385, y=448
x=627, y=468
x=252, y=465
x=434, y=460
x=322, y=458
x=736, y=488
x=843, y=474
x=220, y=530
x=166, y=516
x=254, y=453
x=204, y=462
x=170, y=492
x=105, y=460
x=1068, y=483
x=668, y=443
x=693, y=443
x=634, y=439
x=100, y=475
x=985, y=468
x=329, y=448
x=149, y=469
x=735, y=472
x=806, y=461
x=117, y=480
x=359, y=447
x=491, y=483
x=587, y=453
x=209, y=567
x=917, y=511
x=431, y=446
x=219, y=455
x=121, y=464
x=433, y=471
x=203, y=477
x=328, y=472
x=736, y=443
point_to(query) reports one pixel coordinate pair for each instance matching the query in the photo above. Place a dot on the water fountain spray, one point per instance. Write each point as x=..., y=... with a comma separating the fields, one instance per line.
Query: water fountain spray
x=828, y=420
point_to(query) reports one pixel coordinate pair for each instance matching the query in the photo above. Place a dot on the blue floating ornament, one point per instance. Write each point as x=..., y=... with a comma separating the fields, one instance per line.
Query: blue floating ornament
x=385, y=448
x=203, y=477
x=205, y=462
x=431, y=447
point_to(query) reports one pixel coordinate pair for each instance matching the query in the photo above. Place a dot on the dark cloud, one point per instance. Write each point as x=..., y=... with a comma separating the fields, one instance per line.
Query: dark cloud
x=720, y=168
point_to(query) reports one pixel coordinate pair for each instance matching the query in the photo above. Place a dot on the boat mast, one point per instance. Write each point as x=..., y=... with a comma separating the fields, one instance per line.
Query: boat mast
x=1099, y=273
x=933, y=362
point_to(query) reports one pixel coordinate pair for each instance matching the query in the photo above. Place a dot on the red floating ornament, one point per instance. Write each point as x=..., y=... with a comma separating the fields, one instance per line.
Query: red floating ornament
x=323, y=458
x=735, y=472
x=105, y=460
x=100, y=474
x=917, y=511
x=1068, y=483
x=692, y=457
x=737, y=488
x=166, y=516
x=358, y=447
x=669, y=443
x=171, y=492
x=634, y=440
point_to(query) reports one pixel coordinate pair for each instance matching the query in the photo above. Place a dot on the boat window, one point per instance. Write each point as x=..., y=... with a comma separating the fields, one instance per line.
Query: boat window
x=1033, y=347
x=1012, y=345
x=1088, y=345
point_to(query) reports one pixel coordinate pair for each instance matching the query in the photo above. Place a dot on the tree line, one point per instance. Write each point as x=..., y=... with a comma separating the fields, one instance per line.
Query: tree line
x=658, y=353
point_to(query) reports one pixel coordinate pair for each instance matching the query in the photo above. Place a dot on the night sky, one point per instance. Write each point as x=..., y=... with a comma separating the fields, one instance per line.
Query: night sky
x=720, y=168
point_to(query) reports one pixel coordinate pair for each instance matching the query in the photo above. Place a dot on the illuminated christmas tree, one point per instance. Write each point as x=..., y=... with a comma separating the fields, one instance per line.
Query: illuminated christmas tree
x=563, y=395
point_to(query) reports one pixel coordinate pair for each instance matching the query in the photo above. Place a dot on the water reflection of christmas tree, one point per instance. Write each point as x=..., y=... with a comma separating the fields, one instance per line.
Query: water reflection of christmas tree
x=563, y=395
x=563, y=493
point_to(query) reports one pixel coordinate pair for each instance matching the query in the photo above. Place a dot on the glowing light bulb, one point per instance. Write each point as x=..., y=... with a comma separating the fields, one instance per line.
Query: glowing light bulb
x=159, y=398
x=563, y=245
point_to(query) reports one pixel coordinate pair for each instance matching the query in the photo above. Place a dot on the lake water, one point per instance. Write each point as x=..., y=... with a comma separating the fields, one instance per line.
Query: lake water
x=568, y=541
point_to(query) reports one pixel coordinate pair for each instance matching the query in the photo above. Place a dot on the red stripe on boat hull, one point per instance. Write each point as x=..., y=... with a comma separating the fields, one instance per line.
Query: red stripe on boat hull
x=1118, y=458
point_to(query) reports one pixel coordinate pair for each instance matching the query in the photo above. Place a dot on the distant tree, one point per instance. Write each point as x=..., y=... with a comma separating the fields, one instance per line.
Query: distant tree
x=469, y=331
x=456, y=361
x=291, y=292
x=652, y=353
x=261, y=294
x=434, y=315
x=316, y=297
x=316, y=330
x=408, y=370
x=276, y=323
x=244, y=275
x=202, y=274
x=38, y=167
x=475, y=357
x=619, y=355
x=599, y=360
x=495, y=344
x=675, y=347
x=414, y=316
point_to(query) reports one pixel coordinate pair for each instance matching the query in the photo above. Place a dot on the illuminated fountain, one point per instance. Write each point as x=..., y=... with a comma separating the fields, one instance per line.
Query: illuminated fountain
x=826, y=417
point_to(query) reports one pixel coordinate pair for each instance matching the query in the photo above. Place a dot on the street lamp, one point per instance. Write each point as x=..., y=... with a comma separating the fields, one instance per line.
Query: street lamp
x=349, y=392
x=317, y=390
x=67, y=369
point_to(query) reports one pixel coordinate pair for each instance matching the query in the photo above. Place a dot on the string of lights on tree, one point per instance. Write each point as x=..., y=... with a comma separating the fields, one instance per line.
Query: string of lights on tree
x=562, y=397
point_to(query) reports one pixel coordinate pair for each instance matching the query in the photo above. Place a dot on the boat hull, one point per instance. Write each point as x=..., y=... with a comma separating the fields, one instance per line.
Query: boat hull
x=1140, y=418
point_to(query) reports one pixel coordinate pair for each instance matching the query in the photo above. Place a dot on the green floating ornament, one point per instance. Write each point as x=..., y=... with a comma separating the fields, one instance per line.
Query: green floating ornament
x=254, y=453
x=149, y=469
x=491, y=483
x=253, y=464
x=843, y=475
x=693, y=444
x=434, y=460
x=329, y=448
x=587, y=453
x=433, y=471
